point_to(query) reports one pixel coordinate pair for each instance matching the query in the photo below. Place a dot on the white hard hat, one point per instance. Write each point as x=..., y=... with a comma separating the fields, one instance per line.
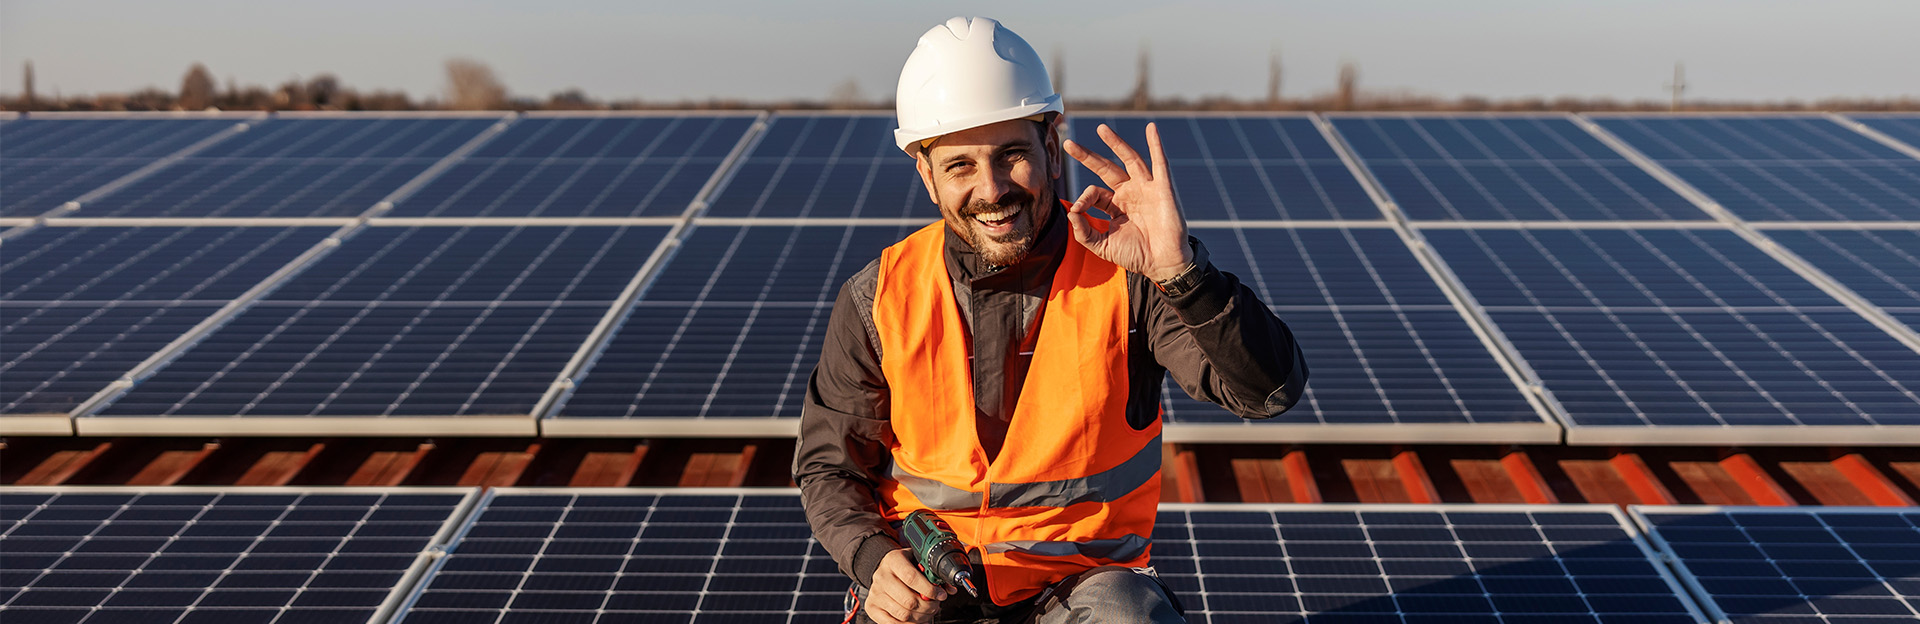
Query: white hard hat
x=967, y=73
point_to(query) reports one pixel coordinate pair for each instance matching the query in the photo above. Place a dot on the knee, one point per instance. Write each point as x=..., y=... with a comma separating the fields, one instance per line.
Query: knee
x=1122, y=595
x=1115, y=582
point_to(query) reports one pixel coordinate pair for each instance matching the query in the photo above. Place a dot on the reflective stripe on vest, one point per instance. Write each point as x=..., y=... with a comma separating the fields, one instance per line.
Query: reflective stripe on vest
x=1123, y=549
x=1104, y=487
x=1074, y=486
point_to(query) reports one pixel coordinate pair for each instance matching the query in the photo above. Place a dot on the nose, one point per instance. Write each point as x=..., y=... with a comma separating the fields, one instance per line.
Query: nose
x=999, y=186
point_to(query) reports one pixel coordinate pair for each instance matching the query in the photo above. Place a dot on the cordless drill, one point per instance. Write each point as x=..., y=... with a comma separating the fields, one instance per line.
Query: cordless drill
x=937, y=552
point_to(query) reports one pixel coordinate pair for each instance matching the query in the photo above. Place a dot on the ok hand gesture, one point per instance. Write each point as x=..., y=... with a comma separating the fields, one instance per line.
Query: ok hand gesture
x=1147, y=234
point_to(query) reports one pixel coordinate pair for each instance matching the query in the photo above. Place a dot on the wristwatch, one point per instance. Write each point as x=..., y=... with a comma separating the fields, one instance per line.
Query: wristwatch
x=1191, y=277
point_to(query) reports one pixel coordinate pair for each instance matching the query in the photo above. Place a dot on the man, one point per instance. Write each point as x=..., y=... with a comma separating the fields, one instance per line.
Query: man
x=1002, y=367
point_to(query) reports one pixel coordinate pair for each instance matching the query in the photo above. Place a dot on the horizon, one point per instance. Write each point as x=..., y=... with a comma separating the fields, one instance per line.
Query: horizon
x=756, y=51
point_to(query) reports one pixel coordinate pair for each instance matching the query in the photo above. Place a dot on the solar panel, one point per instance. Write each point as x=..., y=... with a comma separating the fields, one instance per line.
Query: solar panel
x=825, y=166
x=85, y=305
x=1882, y=266
x=592, y=166
x=1753, y=565
x=1899, y=127
x=48, y=162
x=295, y=167
x=1385, y=344
x=399, y=323
x=1780, y=168
x=98, y=555
x=730, y=329
x=1637, y=332
x=1902, y=128
x=1478, y=168
x=1241, y=167
x=746, y=556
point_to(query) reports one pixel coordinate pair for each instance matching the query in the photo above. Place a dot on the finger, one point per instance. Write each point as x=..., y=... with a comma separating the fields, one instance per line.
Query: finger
x=925, y=608
x=1135, y=167
x=884, y=611
x=1083, y=229
x=1155, y=151
x=912, y=586
x=1109, y=173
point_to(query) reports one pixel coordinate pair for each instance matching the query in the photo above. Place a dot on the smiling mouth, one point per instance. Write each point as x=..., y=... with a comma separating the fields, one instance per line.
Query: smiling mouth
x=996, y=219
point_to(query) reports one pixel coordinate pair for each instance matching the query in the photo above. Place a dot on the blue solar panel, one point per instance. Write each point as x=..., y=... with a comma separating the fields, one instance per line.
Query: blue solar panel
x=1780, y=168
x=1903, y=128
x=427, y=321
x=601, y=166
x=1692, y=328
x=1384, y=343
x=85, y=305
x=732, y=327
x=1520, y=168
x=294, y=167
x=1240, y=167
x=49, y=162
x=110, y=555
x=1881, y=265
x=1780, y=566
x=565, y=556
x=825, y=166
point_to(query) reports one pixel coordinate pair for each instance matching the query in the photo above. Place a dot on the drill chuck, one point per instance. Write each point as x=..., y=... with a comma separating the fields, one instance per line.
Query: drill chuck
x=938, y=551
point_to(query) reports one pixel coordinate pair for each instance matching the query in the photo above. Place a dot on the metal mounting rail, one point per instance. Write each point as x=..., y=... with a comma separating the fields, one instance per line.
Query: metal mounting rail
x=1758, y=238
x=1545, y=405
x=603, y=332
x=134, y=176
x=1877, y=136
x=187, y=341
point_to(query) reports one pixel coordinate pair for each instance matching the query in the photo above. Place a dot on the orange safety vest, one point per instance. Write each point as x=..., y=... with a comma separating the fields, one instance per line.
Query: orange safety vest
x=1075, y=486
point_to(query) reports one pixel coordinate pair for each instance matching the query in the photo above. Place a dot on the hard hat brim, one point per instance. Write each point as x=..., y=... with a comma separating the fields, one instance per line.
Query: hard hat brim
x=905, y=137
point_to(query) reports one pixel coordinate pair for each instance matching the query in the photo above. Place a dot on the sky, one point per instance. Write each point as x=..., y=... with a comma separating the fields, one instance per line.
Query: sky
x=770, y=50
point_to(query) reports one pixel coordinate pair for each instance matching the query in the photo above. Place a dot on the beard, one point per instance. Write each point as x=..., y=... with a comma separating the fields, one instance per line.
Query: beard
x=1006, y=247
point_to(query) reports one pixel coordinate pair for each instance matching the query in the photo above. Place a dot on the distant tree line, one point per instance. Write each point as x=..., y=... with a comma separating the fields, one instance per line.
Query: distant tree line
x=472, y=85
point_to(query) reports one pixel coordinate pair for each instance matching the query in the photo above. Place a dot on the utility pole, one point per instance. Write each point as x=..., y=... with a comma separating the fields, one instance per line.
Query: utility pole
x=1678, y=86
x=26, y=94
x=1059, y=72
x=1349, y=86
x=1142, y=96
x=1273, y=79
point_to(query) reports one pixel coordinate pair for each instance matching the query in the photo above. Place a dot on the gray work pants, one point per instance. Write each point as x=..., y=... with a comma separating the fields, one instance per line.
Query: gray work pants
x=1104, y=595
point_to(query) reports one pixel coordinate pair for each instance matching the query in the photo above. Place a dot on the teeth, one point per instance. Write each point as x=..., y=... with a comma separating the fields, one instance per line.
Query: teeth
x=993, y=216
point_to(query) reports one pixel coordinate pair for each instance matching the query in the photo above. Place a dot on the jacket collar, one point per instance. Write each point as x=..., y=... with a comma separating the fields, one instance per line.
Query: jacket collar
x=1024, y=275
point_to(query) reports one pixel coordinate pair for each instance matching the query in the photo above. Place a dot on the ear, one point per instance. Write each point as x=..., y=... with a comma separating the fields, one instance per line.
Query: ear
x=921, y=162
x=1056, y=156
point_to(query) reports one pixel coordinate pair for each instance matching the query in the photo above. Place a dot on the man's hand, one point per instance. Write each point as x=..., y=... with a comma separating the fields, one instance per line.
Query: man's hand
x=1147, y=234
x=900, y=593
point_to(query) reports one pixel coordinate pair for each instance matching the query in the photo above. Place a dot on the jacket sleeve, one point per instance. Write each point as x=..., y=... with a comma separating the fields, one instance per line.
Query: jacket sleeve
x=843, y=432
x=1222, y=344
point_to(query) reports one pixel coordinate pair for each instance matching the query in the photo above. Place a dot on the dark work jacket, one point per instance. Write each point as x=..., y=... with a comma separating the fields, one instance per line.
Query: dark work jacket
x=1219, y=342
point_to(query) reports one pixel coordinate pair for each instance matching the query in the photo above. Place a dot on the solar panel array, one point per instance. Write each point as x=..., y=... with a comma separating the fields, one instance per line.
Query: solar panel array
x=1785, y=168
x=1754, y=565
x=1650, y=328
x=649, y=166
x=1241, y=168
x=293, y=167
x=234, y=555
x=1451, y=277
x=746, y=556
x=85, y=305
x=1529, y=168
x=425, y=555
x=1386, y=345
x=49, y=163
x=416, y=321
